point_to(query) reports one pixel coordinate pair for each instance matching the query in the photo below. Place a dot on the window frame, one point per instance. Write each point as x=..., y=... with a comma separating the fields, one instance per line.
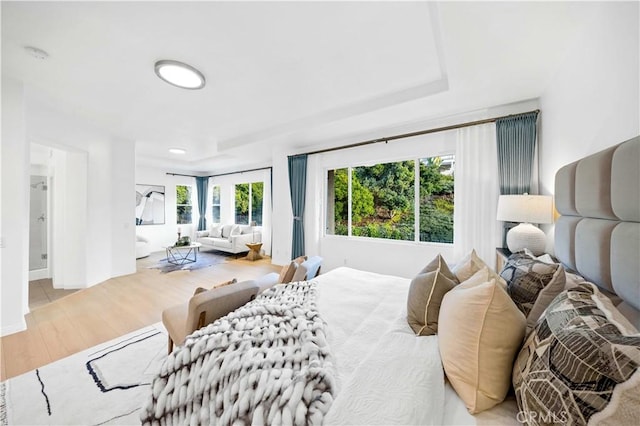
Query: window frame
x=190, y=205
x=416, y=204
x=250, y=205
x=219, y=204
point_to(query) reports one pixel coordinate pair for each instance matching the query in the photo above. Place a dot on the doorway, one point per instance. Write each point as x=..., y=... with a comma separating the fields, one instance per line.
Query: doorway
x=39, y=228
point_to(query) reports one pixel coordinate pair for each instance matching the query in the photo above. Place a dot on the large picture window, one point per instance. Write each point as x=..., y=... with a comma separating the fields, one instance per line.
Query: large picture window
x=183, y=204
x=248, y=203
x=380, y=201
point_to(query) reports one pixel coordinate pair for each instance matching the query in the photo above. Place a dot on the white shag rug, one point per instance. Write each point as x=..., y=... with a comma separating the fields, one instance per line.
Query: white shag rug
x=106, y=384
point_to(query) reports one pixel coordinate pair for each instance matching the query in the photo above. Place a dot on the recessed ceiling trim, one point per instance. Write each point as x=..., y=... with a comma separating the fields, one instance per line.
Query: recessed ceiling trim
x=179, y=74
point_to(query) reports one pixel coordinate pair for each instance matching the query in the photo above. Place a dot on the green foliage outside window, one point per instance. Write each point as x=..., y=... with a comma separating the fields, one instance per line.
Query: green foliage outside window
x=183, y=204
x=383, y=200
x=249, y=199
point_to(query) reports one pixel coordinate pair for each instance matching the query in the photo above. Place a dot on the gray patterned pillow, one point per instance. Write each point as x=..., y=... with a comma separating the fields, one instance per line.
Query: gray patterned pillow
x=532, y=284
x=580, y=364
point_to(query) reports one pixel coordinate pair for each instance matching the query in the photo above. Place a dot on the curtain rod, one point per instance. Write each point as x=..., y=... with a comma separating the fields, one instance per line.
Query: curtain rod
x=418, y=133
x=222, y=174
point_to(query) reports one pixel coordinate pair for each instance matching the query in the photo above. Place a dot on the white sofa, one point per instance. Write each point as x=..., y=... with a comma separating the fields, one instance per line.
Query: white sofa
x=229, y=238
x=143, y=248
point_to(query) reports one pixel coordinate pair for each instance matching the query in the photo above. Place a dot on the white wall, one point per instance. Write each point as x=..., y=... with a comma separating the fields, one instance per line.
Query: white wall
x=69, y=219
x=593, y=101
x=15, y=210
x=102, y=188
x=160, y=236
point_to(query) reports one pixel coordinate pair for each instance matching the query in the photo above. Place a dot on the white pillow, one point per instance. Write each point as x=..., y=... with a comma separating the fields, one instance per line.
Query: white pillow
x=215, y=231
x=236, y=230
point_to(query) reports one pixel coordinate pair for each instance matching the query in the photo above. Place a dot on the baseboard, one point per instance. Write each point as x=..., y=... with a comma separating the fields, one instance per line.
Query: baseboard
x=39, y=274
x=13, y=328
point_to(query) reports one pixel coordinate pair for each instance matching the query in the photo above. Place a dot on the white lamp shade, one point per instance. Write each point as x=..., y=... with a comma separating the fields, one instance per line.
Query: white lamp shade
x=525, y=208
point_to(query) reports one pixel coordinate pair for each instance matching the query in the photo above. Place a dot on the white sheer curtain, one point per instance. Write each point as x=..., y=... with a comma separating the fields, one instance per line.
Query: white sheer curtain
x=476, y=193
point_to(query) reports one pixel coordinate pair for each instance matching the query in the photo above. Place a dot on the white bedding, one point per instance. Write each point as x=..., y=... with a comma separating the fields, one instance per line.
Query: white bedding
x=387, y=375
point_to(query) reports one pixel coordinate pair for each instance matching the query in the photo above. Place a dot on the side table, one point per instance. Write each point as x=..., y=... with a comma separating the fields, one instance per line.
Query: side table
x=254, y=251
x=502, y=254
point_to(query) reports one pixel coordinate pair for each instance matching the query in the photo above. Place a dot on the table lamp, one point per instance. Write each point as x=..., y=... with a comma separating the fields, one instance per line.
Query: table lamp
x=526, y=209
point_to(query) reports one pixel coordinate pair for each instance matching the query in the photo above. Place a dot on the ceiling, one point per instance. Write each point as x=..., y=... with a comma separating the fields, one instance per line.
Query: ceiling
x=281, y=75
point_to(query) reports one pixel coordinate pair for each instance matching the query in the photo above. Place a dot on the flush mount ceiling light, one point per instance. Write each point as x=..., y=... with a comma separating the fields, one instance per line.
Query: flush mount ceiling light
x=179, y=74
x=36, y=52
x=177, y=151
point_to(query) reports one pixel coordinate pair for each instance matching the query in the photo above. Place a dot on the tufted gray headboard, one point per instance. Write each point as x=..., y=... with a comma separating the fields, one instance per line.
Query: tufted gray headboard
x=598, y=234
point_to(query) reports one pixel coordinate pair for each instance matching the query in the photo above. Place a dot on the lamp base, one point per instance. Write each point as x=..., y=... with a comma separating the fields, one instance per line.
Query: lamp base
x=526, y=236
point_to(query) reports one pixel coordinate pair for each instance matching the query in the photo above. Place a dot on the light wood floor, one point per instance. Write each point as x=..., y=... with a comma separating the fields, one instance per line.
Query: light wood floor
x=42, y=292
x=111, y=309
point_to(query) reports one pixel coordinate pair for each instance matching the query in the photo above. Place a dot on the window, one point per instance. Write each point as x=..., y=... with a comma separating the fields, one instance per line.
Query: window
x=249, y=197
x=436, y=199
x=380, y=201
x=183, y=204
x=215, y=204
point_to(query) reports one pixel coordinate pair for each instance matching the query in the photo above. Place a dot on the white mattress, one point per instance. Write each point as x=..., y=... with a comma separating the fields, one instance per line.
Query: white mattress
x=387, y=375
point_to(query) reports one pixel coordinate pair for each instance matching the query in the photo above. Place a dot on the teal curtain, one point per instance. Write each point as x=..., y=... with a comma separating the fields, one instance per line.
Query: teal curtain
x=298, y=187
x=516, y=139
x=202, y=184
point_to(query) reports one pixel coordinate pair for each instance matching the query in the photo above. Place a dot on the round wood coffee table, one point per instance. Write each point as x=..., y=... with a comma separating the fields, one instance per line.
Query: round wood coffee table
x=254, y=251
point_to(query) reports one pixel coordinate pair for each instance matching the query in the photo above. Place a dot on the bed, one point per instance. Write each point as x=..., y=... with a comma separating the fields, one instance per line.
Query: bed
x=360, y=362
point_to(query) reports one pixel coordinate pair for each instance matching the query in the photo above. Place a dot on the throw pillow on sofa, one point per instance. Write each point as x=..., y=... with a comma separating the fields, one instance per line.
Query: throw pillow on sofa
x=215, y=231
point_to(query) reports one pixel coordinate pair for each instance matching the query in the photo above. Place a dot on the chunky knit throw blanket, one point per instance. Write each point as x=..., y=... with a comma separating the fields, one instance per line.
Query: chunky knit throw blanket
x=267, y=362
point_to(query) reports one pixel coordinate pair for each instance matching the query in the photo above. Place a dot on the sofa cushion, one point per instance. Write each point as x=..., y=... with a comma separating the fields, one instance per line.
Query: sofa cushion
x=235, y=230
x=226, y=231
x=215, y=231
x=246, y=229
x=222, y=243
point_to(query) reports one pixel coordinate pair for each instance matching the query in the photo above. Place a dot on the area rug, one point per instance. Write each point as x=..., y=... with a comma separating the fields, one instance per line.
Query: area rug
x=204, y=260
x=106, y=384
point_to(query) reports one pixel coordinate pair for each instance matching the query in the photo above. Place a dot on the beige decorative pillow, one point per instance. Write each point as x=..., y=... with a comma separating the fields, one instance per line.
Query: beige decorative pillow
x=471, y=264
x=300, y=259
x=480, y=331
x=439, y=263
x=202, y=289
x=287, y=271
x=424, y=299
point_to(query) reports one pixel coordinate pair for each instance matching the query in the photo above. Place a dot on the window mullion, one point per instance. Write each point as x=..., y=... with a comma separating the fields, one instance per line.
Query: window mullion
x=416, y=200
x=349, y=175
